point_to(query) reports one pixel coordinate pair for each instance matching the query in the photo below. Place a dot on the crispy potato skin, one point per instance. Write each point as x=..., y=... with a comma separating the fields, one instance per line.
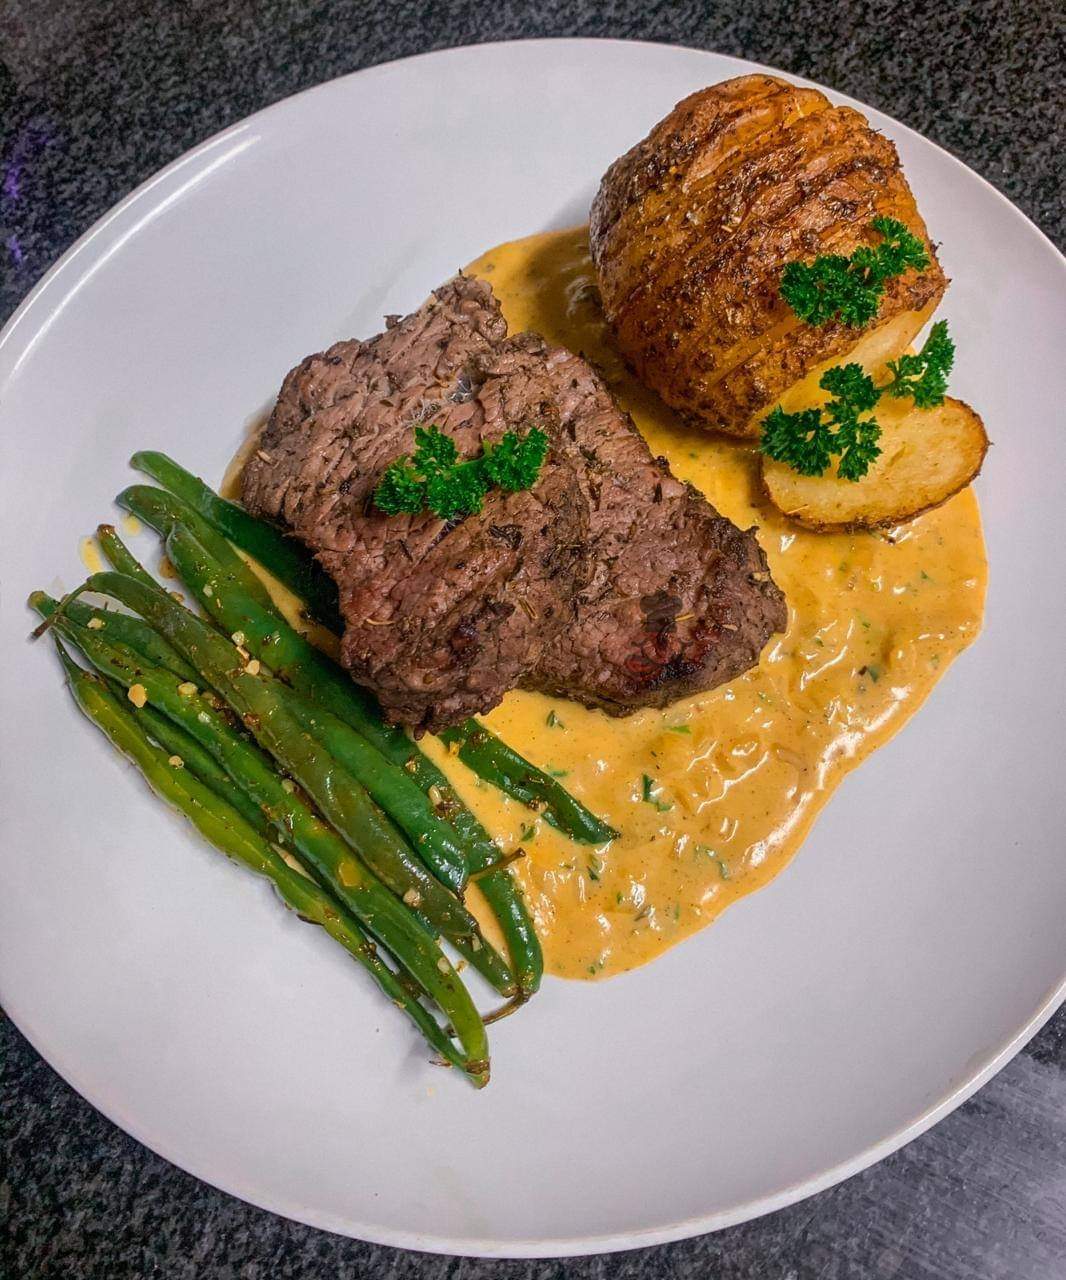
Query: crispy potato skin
x=691, y=229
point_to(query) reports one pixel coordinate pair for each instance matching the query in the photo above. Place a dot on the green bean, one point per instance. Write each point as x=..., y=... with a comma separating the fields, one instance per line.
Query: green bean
x=342, y=800
x=436, y=841
x=392, y=788
x=120, y=557
x=345, y=802
x=495, y=762
x=225, y=828
x=439, y=842
x=274, y=550
x=174, y=739
x=490, y=758
x=123, y=628
x=163, y=511
x=504, y=895
x=334, y=863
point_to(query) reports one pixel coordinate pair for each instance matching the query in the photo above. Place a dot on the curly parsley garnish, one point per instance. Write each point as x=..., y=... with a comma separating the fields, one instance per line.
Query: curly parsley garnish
x=850, y=289
x=924, y=377
x=809, y=440
x=434, y=478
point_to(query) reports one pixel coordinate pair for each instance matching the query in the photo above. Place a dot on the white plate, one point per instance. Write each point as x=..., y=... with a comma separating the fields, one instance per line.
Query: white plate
x=912, y=947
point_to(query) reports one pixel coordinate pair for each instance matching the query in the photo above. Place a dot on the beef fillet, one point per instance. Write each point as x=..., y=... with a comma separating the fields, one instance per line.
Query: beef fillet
x=609, y=582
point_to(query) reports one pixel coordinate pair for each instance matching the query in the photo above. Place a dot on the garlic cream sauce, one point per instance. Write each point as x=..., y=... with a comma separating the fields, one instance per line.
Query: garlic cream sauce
x=714, y=794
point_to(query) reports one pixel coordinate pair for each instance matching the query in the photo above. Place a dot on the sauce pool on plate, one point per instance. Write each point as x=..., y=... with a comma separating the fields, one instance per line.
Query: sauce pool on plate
x=714, y=794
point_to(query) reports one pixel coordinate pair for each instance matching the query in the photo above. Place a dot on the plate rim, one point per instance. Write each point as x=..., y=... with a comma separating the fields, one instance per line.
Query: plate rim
x=976, y=1074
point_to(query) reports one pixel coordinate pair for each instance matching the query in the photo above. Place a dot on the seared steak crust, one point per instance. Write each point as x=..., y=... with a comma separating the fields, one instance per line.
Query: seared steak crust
x=609, y=582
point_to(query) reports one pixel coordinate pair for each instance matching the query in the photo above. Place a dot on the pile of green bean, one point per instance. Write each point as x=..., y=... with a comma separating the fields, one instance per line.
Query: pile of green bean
x=285, y=764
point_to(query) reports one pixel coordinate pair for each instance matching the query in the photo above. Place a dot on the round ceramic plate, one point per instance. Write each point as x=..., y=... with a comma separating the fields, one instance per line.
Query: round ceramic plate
x=910, y=949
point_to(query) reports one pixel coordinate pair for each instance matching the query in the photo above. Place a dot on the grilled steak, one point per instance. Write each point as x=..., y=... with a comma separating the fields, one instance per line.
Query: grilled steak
x=609, y=582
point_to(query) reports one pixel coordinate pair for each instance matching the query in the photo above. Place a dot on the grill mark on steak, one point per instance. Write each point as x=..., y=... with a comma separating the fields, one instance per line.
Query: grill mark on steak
x=610, y=581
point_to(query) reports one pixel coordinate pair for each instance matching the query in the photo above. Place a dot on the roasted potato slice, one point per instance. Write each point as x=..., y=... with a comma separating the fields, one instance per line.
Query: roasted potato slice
x=927, y=456
x=692, y=228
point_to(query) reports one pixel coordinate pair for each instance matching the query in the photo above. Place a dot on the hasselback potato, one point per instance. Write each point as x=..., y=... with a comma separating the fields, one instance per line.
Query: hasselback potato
x=692, y=228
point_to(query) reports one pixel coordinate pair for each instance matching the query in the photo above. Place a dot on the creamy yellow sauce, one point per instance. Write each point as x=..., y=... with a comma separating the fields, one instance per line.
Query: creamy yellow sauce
x=715, y=794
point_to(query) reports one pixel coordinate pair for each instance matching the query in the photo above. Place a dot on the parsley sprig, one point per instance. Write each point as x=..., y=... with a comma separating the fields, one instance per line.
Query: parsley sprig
x=850, y=289
x=434, y=478
x=809, y=440
x=924, y=377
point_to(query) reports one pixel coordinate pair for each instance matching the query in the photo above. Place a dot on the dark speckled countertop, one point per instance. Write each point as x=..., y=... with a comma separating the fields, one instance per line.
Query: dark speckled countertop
x=97, y=94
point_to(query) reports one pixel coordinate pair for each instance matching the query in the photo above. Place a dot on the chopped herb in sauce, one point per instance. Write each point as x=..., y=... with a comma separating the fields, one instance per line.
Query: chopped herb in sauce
x=723, y=866
x=649, y=793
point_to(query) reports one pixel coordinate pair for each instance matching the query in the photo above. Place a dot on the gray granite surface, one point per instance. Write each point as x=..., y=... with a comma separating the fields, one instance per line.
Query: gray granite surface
x=94, y=96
